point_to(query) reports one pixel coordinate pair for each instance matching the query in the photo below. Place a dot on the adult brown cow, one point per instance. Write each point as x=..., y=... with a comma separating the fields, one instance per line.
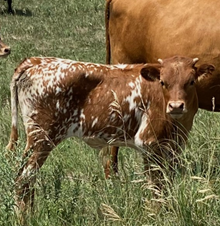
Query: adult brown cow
x=122, y=105
x=4, y=49
x=143, y=31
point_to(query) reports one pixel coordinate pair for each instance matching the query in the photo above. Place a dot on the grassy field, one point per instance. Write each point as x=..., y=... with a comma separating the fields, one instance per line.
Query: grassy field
x=71, y=188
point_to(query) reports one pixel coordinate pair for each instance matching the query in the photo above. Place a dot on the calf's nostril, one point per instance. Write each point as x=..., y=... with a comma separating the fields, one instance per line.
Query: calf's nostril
x=181, y=106
x=171, y=106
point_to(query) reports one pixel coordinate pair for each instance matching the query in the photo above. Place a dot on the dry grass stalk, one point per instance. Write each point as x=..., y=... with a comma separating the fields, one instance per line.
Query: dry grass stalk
x=109, y=213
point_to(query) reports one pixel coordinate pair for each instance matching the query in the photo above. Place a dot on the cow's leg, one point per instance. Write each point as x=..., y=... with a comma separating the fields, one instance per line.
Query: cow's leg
x=104, y=156
x=37, y=150
x=109, y=163
x=153, y=166
x=158, y=163
x=114, y=159
x=10, y=6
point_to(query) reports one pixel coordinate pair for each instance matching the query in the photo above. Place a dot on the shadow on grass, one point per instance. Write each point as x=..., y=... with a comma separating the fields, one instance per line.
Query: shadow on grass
x=18, y=12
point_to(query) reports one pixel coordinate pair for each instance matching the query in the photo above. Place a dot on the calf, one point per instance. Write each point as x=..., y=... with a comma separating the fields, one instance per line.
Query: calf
x=148, y=107
x=4, y=49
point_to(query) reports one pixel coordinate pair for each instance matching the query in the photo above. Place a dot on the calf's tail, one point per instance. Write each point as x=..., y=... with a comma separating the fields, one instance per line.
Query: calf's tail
x=19, y=71
x=14, y=115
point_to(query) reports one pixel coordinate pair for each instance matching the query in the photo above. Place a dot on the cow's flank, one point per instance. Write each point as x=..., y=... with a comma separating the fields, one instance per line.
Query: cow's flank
x=149, y=107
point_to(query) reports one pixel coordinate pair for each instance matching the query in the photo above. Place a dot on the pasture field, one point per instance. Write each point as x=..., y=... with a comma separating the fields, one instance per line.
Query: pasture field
x=71, y=188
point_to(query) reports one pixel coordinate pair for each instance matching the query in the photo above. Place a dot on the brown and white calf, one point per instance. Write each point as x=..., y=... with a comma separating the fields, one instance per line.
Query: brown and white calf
x=4, y=49
x=148, y=107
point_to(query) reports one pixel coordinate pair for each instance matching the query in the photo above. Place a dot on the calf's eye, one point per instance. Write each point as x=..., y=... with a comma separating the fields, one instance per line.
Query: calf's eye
x=192, y=82
x=162, y=83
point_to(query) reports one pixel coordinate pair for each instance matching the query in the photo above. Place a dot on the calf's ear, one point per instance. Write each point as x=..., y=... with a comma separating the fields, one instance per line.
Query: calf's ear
x=205, y=69
x=151, y=72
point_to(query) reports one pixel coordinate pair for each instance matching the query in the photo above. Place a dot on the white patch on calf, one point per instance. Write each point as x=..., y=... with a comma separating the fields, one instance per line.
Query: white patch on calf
x=58, y=105
x=131, y=84
x=80, y=67
x=94, y=122
x=80, y=131
x=76, y=127
x=126, y=117
x=75, y=113
x=70, y=92
x=137, y=139
x=121, y=66
x=82, y=115
x=27, y=171
x=131, y=100
x=58, y=90
x=72, y=128
x=135, y=92
x=50, y=82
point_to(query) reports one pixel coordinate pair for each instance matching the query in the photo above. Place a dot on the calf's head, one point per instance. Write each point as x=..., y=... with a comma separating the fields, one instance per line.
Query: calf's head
x=4, y=49
x=177, y=77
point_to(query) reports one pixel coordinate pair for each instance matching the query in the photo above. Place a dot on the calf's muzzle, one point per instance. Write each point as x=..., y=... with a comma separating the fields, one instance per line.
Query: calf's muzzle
x=176, y=109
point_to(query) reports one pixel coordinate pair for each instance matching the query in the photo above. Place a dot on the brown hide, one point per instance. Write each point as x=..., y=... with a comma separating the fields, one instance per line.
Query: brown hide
x=143, y=31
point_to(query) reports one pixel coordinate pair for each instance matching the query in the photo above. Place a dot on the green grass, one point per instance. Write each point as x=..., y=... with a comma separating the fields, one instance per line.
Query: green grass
x=71, y=188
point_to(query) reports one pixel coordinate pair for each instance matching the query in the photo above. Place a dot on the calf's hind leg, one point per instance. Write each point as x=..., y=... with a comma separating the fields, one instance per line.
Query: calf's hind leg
x=37, y=150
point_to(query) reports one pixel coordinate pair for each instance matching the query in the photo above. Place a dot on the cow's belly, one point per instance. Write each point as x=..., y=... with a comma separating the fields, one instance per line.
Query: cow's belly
x=99, y=143
x=100, y=136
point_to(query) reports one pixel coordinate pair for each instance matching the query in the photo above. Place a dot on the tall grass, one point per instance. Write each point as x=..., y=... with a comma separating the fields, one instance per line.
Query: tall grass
x=71, y=188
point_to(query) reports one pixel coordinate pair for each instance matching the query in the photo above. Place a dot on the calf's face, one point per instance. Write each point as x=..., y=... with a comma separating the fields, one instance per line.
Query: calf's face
x=177, y=77
x=4, y=49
